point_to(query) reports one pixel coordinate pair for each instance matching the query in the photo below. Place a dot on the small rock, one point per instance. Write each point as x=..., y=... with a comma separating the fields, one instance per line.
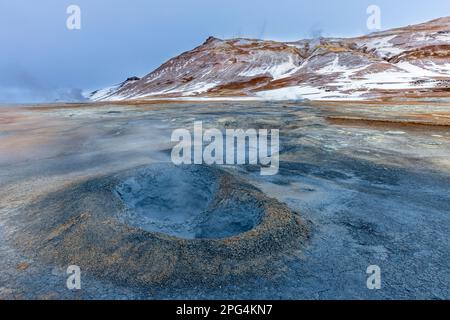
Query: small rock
x=22, y=266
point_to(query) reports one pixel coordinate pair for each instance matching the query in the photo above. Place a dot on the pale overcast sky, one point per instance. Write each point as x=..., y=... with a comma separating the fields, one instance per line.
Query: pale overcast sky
x=40, y=57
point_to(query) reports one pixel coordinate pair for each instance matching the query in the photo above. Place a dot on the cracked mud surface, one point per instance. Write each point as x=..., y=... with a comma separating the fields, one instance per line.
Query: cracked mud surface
x=369, y=194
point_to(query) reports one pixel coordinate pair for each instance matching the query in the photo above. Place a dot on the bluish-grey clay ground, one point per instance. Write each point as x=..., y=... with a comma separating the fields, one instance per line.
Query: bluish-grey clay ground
x=93, y=185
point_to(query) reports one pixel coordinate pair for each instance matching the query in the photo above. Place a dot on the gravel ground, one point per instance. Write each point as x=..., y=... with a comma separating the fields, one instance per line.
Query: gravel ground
x=370, y=195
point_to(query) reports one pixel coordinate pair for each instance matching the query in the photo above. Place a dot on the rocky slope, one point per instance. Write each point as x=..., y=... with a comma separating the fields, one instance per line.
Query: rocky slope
x=412, y=61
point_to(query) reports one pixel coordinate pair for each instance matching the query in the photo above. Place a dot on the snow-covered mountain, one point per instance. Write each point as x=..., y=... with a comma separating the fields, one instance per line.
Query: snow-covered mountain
x=104, y=93
x=412, y=61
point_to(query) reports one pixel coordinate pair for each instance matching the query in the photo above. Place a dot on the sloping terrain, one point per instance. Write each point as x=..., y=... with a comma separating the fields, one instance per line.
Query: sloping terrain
x=414, y=61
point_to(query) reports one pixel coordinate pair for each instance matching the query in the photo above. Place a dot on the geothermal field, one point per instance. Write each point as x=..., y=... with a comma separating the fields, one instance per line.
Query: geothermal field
x=93, y=185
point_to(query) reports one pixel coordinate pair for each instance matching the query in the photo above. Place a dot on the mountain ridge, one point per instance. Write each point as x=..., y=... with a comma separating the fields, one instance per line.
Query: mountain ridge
x=407, y=61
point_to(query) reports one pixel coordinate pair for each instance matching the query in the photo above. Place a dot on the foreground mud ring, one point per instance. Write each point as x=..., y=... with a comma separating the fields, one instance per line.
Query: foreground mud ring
x=91, y=225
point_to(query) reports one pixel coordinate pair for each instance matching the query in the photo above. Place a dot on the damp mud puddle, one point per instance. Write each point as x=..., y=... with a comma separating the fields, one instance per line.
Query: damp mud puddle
x=161, y=224
x=185, y=202
x=92, y=185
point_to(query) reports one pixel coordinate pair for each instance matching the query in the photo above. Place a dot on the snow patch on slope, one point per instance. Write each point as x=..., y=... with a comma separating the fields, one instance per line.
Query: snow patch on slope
x=103, y=93
x=306, y=92
x=383, y=47
x=439, y=68
x=197, y=88
x=277, y=71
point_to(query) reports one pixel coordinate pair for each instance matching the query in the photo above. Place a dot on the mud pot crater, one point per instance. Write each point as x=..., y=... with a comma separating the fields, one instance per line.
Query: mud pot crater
x=185, y=202
x=161, y=223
